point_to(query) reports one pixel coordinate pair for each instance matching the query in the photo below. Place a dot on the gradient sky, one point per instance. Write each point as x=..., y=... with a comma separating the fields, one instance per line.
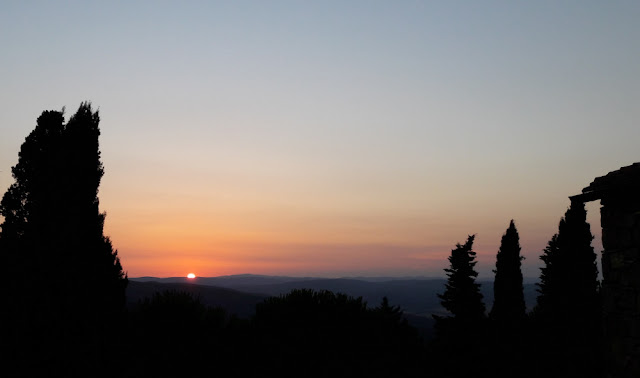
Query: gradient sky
x=333, y=138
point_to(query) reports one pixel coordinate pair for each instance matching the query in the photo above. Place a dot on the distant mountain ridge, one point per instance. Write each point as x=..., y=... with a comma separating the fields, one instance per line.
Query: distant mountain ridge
x=239, y=294
x=415, y=295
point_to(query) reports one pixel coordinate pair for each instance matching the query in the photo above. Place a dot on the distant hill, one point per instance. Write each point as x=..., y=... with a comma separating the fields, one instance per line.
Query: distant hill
x=235, y=302
x=239, y=294
x=227, y=281
x=416, y=296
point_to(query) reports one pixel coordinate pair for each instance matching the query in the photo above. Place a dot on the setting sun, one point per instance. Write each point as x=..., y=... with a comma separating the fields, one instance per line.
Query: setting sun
x=191, y=275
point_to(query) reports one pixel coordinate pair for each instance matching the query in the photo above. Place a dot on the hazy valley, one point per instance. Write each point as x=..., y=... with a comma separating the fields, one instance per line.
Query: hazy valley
x=238, y=294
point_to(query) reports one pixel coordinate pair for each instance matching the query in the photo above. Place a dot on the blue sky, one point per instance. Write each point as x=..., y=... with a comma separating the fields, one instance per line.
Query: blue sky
x=333, y=138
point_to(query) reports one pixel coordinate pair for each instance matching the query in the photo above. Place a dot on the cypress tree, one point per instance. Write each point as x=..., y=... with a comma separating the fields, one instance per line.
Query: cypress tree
x=567, y=311
x=460, y=338
x=53, y=232
x=30, y=208
x=508, y=305
x=549, y=287
x=462, y=297
x=53, y=227
x=569, y=286
x=92, y=259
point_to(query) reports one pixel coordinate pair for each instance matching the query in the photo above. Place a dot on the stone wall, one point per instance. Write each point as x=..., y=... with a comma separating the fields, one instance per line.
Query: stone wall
x=620, y=219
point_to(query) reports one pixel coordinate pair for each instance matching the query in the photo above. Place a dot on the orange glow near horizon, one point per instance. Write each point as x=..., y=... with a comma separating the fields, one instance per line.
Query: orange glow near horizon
x=303, y=240
x=274, y=159
x=301, y=260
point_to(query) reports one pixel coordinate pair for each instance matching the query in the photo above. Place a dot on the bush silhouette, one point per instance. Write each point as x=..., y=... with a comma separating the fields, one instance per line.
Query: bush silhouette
x=175, y=330
x=319, y=333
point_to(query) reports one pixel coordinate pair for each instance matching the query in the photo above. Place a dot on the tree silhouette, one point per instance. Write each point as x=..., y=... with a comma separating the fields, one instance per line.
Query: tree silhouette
x=568, y=311
x=569, y=279
x=462, y=297
x=93, y=262
x=549, y=287
x=508, y=305
x=319, y=333
x=391, y=313
x=53, y=230
x=174, y=330
x=460, y=343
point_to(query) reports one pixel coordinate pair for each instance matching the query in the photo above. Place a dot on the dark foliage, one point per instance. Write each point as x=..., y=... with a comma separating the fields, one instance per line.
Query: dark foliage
x=175, y=334
x=53, y=230
x=550, y=278
x=458, y=347
x=569, y=278
x=567, y=316
x=508, y=327
x=319, y=333
x=462, y=297
x=508, y=305
x=303, y=333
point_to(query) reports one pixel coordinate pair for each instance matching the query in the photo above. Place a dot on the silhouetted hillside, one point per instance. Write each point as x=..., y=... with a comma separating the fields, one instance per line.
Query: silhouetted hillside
x=235, y=302
x=416, y=296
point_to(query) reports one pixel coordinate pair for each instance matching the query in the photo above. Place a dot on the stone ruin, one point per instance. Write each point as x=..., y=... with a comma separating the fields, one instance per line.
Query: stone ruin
x=619, y=195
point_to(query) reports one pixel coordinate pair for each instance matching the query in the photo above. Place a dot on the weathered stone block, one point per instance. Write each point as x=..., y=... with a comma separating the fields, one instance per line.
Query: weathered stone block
x=619, y=194
x=607, y=241
x=619, y=325
x=622, y=260
x=626, y=220
x=635, y=328
x=614, y=278
x=608, y=300
x=606, y=266
x=632, y=274
x=621, y=353
x=635, y=235
x=634, y=367
x=617, y=261
x=625, y=299
x=623, y=236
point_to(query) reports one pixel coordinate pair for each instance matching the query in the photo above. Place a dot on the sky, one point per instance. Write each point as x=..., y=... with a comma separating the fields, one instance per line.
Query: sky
x=330, y=138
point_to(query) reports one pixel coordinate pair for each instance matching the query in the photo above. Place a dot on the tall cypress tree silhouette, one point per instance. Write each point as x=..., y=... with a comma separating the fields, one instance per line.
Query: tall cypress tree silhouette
x=569, y=284
x=53, y=231
x=459, y=335
x=462, y=297
x=93, y=260
x=568, y=307
x=549, y=288
x=508, y=305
